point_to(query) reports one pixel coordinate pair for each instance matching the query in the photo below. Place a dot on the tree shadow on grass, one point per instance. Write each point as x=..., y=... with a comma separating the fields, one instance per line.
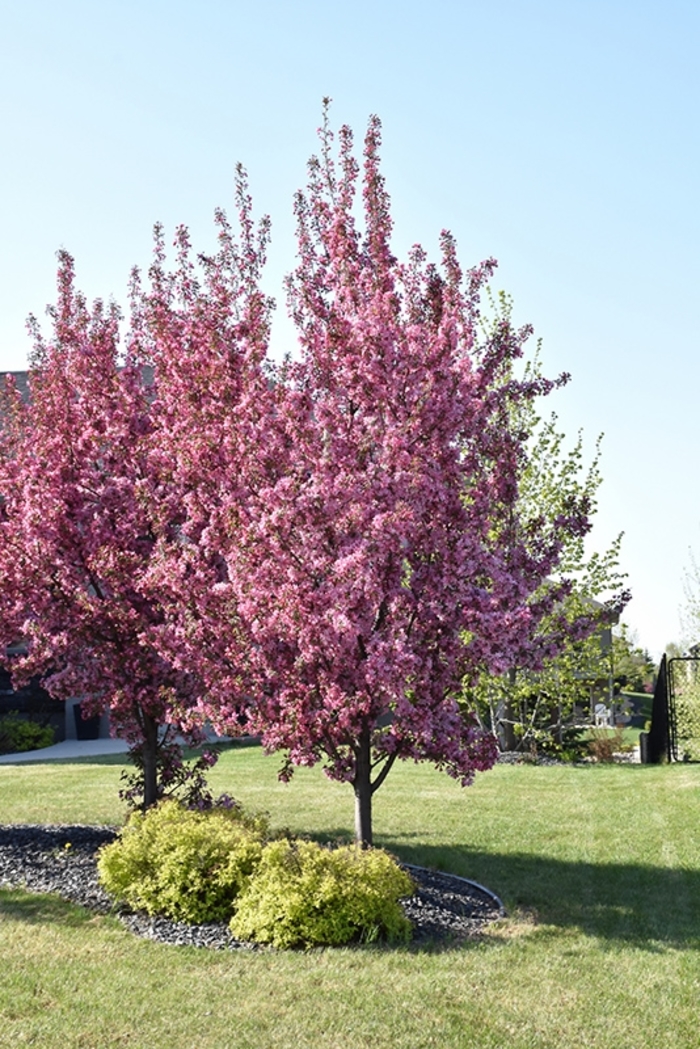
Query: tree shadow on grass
x=38, y=908
x=643, y=906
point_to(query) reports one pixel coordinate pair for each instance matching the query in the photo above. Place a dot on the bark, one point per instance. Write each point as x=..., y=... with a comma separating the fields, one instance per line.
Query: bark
x=556, y=726
x=150, y=761
x=362, y=785
x=510, y=740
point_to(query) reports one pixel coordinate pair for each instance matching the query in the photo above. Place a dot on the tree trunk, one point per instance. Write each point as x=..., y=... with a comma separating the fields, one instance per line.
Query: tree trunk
x=510, y=740
x=363, y=791
x=150, y=761
x=556, y=723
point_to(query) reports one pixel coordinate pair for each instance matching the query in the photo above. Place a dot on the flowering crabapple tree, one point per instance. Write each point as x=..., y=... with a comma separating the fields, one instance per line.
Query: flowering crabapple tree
x=77, y=533
x=362, y=506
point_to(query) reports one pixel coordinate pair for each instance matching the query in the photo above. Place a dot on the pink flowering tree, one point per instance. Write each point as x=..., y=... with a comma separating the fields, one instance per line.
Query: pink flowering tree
x=204, y=330
x=360, y=508
x=77, y=534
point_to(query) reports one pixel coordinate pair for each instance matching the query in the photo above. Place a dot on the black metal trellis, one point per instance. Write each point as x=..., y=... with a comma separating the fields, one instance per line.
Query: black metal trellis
x=674, y=695
x=662, y=738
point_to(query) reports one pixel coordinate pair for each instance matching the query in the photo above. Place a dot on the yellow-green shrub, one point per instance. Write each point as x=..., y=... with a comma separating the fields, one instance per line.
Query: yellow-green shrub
x=303, y=895
x=186, y=864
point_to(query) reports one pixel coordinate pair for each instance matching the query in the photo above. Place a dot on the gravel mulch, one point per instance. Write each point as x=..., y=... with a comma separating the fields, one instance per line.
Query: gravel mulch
x=62, y=859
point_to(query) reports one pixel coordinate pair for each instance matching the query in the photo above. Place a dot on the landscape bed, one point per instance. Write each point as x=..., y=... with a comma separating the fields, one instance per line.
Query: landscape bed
x=62, y=860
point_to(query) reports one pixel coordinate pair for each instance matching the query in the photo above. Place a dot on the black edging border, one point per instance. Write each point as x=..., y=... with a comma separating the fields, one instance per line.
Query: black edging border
x=467, y=881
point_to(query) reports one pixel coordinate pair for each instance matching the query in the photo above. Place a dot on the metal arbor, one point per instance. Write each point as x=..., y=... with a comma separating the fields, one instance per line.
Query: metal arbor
x=674, y=734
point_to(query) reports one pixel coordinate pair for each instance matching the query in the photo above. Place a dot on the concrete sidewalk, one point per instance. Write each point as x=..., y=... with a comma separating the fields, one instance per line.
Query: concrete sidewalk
x=70, y=748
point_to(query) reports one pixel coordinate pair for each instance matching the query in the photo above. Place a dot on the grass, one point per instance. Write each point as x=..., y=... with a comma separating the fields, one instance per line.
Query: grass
x=599, y=868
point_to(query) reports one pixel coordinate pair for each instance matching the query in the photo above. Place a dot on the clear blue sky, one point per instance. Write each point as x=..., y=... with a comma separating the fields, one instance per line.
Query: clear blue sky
x=560, y=137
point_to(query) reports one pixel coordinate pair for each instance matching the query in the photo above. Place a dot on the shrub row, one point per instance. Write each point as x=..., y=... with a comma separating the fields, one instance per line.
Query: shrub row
x=223, y=865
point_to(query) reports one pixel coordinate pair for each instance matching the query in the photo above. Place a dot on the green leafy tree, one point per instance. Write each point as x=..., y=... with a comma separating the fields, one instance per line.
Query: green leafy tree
x=536, y=705
x=632, y=666
x=690, y=609
x=685, y=672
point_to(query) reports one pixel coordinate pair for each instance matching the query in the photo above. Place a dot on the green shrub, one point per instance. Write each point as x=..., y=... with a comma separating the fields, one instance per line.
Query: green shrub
x=186, y=864
x=569, y=744
x=303, y=895
x=18, y=734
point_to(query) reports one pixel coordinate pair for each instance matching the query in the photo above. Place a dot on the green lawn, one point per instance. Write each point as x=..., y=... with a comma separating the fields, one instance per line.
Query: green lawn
x=599, y=868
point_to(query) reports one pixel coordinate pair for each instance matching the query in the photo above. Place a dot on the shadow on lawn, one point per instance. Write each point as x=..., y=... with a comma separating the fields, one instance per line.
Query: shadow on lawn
x=41, y=908
x=639, y=905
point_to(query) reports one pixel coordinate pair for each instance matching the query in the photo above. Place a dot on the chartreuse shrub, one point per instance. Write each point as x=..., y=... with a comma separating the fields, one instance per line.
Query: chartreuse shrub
x=303, y=895
x=219, y=864
x=186, y=864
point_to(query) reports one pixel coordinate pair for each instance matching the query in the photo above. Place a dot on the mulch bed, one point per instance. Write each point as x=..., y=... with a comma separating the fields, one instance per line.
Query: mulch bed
x=445, y=909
